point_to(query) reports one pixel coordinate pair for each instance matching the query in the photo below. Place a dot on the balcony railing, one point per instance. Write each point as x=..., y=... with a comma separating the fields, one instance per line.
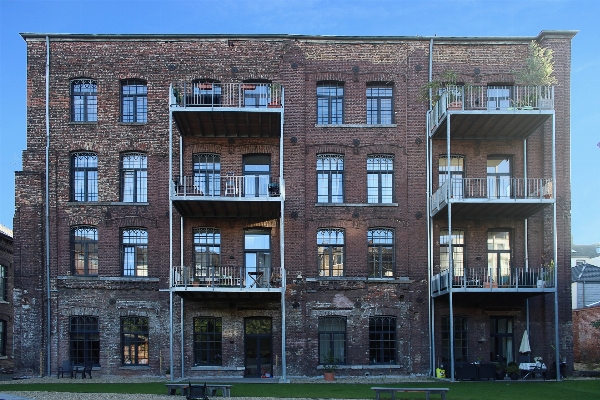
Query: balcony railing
x=225, y=277
x=491, y=98
x=486, y=278
x=492, y=189
x=245, y=186
x=237, y=95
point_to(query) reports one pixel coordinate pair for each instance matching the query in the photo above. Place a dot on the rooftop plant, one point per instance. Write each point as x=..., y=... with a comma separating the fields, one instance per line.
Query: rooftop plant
x=539, y=67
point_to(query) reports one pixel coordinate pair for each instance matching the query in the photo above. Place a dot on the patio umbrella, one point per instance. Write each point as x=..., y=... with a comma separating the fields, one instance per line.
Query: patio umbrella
x=525, y=348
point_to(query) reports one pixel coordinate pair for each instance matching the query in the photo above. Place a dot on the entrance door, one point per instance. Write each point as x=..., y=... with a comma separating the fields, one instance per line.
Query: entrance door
x=258, y=338
x=498, y=174
x=499, y=254
x=502, y=340
x=257, y=171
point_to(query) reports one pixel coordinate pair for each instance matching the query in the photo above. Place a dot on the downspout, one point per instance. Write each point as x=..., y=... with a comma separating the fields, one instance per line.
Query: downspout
x=526, y=235
x=282, y=245
x=450, y=250
x=47, y=187
x=555, y=248
x=172, y=372
x=429, y=225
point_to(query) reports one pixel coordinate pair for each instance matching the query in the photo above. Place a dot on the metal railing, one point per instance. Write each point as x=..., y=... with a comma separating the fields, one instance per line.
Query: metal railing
x=238, y=95
x=491, y=98
x=488, y=278
x=492, y=189
x=246, y=186
x=224, y=277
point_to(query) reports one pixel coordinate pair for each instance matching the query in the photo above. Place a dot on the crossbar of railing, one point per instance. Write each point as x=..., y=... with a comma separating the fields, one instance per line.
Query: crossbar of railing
x=223, y=276
x=216, y=94
x=484, y=277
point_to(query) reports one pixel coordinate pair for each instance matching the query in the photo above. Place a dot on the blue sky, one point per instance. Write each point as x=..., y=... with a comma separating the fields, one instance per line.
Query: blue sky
x=316, y=17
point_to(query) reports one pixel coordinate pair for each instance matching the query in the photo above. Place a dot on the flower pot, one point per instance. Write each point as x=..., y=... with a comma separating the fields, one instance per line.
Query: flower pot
x=329, y=376
x=514, y=376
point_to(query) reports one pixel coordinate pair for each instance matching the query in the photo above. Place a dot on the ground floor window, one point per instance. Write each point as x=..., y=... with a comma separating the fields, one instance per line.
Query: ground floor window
x=332, y=340
x=207, y=341
x=460, y=339
x=382, y=340
x=84, y=340
x=134, y=340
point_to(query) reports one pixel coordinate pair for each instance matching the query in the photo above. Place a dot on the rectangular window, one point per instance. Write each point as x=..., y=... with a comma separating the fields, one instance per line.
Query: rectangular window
x=461, y=341
x=3, y=283
x=3, y=329
x=382, y=340
x=379, y=104
x=135, y=252
x=456, y=172
x=134, y=341
x=134, y=178
x=330, y=178
x=330, y=247
x=84, y=100
x=207, y=251
x=458, y=250
x=332, y=340
x=134, y=101
x=207, y=174
x=330, y=103
x=381, y=253
x=84, y=340
x=208, y=341
x=380, y=178
x=84, y=250
x=84, y=177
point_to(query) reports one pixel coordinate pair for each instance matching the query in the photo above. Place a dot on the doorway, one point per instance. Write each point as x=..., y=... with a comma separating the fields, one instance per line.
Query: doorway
x=502, y=340
x=258, y=343
x=257, y=172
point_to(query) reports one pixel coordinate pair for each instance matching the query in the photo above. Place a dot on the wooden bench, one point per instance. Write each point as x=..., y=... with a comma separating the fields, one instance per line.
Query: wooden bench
x=427, y=391
x=211, y=388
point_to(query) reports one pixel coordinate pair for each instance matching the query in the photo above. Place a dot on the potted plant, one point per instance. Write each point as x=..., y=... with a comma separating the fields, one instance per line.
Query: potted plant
x=445, y=83
x=500, y=370
x=512, y=369
x=330, y=364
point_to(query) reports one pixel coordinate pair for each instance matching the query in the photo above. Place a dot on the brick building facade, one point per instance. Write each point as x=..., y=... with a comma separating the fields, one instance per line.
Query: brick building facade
x=6, y=295
x=261, y=205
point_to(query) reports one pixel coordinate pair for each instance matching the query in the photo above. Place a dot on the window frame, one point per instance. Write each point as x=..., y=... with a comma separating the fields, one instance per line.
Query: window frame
x=136, y=92
x=137, y=265
x=332, y=339
x=203, y=260
x=208, y=352
x=88, y=253
x=330, y=103
x=376, y=263
x=375, y=108
x=84, y=103
x=378, y=167
x=328, y=252
x=90, y=340
x=382, y=341
x=458, y=237
x=207, y=180
x=134, y=178
x=461, y=338
x=135, y=341
x=456, y=173
x=3, y=282
x=330, y=178
x=89, y=180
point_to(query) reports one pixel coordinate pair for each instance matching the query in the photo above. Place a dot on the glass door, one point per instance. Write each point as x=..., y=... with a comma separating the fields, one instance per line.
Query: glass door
x=499, y=255
x=257, y=258
x=257, y=171
x=258, y=338
x=502, y=340
x=498, y=174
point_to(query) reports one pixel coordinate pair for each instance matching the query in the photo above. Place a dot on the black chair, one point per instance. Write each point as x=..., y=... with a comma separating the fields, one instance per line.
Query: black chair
x=196, y=392
x=65, y=368
x=87, y=369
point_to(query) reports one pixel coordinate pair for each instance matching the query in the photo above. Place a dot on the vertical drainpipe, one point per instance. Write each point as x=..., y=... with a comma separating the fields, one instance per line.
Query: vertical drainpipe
x=282, y=244
x=170, y=236
x=555, y=248
x=450, y=249
x=47, y=184
x=526, y=235
x=429, y=228
x=181, y=339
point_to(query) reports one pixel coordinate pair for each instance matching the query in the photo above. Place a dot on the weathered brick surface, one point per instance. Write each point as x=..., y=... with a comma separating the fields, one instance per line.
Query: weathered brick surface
x=6, y=305
x=297, y=63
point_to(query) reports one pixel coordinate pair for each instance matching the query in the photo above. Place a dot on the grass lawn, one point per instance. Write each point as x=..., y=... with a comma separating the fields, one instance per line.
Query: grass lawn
x=506, y=390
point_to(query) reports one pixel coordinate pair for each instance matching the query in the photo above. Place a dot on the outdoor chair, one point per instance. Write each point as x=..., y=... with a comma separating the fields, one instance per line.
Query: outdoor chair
x=87, y=369
x=196, y=392
x=65, y=368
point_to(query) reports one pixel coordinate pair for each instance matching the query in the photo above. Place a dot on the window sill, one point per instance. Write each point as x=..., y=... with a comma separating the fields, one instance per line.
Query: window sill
x=362, y=126
x=215, y=368
x=373, y=366
x=106, y=203
x=108, y=278
x=135, y=367
x=93, y=123
x=133, y=123
x=356, y=204
x=397, y=280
